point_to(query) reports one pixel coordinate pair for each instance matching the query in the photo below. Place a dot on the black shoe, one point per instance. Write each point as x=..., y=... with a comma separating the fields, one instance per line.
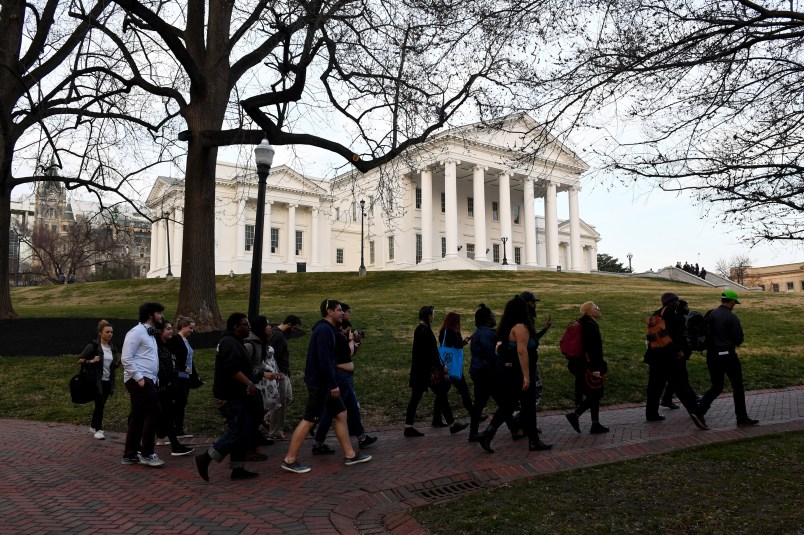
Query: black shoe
x=181, y=449
x=669, y=405
x=538, y=445
x=242, y=473
x=598, y=428
x=572, y=418
x=323, y=449
x=698, y=420
x=518, y=436
x=202, y=463
x=655, y=418
x=438, y=425
x=367, y=441
x=255, y=456
x=485, y=438
x=456, y=427
x=472, y=437
x=262, y=441
x=747, y=421
x=413, y=432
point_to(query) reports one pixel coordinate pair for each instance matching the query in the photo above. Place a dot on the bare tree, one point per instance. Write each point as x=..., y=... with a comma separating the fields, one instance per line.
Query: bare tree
x=735, y=268
x=700, y=97
x=296, y=71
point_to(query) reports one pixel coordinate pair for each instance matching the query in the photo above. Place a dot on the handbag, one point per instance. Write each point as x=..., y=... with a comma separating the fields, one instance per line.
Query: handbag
x=594, y=383
x=436, y=377
x=83, y=388
x=195, y=379
x=452, y=357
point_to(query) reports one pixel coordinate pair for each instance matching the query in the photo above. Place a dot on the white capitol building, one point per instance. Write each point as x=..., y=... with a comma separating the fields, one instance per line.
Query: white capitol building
x=445, y=205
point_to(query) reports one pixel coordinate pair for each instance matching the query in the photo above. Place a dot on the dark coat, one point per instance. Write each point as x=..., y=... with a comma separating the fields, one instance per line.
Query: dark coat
x=425, y=357
x=230, y=358
x=92, y=350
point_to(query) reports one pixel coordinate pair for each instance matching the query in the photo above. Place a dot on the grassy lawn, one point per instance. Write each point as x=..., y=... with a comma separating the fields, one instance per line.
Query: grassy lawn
x=386, y=305
x=733, y=488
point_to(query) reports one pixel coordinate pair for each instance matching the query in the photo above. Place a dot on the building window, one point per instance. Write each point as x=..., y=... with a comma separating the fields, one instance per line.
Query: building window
x=443, y=247
x=443, y=202
x=470, y=206
x=495, y=211
x=470, y=251
x=495, y=252
x=371, y=252
x=418, y=248
x=802, y=286
x=418, y=198
x=274, y=240
x=517, y=255
x=774, y=287
x=299, y=242
x=390, y=247
x=339, y=256
x=789, y=286
x=516, y=214
x=249, y=237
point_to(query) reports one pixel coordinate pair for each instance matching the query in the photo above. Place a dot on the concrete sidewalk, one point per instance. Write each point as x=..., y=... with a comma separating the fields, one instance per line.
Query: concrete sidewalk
x=55, y=478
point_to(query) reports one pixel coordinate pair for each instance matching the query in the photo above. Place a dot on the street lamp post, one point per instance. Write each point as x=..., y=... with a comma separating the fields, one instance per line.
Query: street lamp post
x=630, y=256
x=362, y=271
x=169, y=274
x=505, y=257
x=264, y=155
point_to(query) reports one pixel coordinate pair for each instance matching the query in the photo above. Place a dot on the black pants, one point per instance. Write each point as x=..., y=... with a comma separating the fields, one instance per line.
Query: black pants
x=100, y=403
x=720, y=365
x=143, y=419
x=483, y=381
x=463, y=389
x=668, y=370
x=506, y=392
x=182, y=386
x=441, y=402
x=165, y=426
x=587, y=398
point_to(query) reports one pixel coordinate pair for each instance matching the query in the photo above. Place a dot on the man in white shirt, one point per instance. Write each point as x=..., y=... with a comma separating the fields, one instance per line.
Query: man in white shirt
x=140, y=369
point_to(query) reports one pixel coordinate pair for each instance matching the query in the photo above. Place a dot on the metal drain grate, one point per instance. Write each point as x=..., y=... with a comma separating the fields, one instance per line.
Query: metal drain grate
x=448, y=491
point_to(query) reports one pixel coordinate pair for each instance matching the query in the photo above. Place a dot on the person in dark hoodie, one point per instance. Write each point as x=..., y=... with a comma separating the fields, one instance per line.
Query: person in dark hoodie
x=232, y=389
x=589, y=371
x=322, y=390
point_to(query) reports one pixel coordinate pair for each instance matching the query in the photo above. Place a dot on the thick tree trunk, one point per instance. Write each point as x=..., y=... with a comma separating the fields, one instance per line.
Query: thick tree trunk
x=197, y=293
x=6, y=308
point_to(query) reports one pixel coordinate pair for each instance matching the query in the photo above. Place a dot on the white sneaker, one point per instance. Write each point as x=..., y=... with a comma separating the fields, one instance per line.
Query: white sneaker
x=151, y=460
x=162, y=442
x=93, y=430
x=99, y=435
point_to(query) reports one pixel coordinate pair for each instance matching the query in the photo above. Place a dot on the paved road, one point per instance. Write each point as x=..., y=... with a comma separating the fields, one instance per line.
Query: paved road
x=55, y=478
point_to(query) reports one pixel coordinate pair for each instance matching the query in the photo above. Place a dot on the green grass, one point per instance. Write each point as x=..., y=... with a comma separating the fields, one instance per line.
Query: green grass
x=734, y=488
x=386, y=306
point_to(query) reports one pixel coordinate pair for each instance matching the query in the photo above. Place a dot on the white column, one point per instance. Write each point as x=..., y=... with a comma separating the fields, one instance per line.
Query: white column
x=178, y=236
x=576, y=261
x=451, y=212
x=551, y=225
x=292, y=233
x=161, y=249
x=505, y=216
x=154, y=245
x=530, y=224
x=593, y=258
x=479, y=187
x=170, y=223
x=241, y=228
x=266, y=236
x=427, y=216
x=315, y=258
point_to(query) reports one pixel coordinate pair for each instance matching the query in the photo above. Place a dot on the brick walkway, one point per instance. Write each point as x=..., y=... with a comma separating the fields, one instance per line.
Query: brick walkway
x=55, y=478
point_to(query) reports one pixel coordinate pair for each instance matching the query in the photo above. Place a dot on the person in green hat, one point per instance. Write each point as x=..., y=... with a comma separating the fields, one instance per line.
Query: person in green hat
x=726, y=334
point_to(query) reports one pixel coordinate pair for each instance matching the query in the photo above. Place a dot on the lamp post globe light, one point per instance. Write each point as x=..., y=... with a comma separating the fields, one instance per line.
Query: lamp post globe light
x=505, y=258
x=629, y=256
x=362, y=271
x=169, y=274
x=264, y=155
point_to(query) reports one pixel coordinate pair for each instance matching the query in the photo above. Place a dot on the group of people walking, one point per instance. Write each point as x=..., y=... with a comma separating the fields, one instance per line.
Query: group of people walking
x=252, y=386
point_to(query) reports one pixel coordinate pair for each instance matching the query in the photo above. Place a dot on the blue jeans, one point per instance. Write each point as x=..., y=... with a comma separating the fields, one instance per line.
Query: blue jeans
x=233, y=442
x=346, y=383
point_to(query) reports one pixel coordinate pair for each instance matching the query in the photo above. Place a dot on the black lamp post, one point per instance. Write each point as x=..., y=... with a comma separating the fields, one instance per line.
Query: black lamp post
x=362, y=271
x=264, y=154
x=630, y=256
x=505, y=258
x=169, y=274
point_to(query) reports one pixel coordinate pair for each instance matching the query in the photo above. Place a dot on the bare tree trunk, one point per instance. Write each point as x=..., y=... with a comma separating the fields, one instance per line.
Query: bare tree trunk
x=6, y=308
x=197, y=292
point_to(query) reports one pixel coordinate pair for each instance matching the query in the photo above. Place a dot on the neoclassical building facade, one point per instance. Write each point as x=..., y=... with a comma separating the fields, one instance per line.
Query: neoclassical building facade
x=467, y=199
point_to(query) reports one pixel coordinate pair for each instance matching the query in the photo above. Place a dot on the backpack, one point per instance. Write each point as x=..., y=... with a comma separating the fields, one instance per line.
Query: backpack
x=657, y=335
x=698, y=330
x=571, y=344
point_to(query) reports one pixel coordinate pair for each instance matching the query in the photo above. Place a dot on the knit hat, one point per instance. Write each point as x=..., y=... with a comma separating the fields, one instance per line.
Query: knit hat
x=668, y=297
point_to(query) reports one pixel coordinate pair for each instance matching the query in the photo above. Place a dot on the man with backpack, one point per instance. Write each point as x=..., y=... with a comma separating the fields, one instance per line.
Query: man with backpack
x=663, y=356
x=725, y=335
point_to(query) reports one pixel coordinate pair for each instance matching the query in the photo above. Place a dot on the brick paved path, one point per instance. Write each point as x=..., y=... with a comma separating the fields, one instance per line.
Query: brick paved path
x=55, y=478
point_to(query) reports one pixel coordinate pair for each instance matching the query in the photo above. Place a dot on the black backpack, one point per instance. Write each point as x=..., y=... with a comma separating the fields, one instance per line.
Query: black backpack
x=697, y=330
